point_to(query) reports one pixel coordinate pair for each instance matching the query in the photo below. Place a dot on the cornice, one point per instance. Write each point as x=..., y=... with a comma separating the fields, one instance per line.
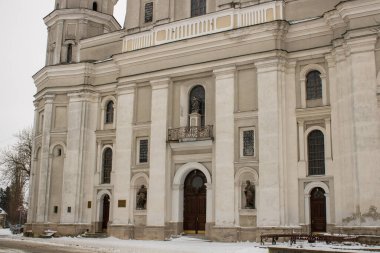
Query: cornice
x=62, y=71
x=102, y=39
x=81, y=14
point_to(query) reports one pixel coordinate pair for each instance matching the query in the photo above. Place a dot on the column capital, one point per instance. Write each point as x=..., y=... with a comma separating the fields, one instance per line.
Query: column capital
x=82, y=96
x=126, y=88
x=49, y=98
x=158, y=84
x=270, y=64
x=330, y=59
x=225, y=72
x=361, y=44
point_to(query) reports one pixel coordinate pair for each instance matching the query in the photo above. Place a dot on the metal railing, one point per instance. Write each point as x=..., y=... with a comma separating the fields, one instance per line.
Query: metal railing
x=183, y=134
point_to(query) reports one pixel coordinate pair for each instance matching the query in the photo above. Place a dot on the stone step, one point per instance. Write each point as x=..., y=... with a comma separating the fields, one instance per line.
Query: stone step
x=94, y=235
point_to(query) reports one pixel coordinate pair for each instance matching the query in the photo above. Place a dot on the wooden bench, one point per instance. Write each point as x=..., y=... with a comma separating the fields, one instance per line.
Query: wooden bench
x=308, y=237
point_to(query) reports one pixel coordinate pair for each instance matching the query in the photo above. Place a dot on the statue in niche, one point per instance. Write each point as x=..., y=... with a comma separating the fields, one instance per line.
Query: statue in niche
x=195, y=105
x=249, y=192
x=141, y=198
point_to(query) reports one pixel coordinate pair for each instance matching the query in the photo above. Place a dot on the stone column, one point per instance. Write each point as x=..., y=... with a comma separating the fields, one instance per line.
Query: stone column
x=224, y=146
x=158, y=153
x=121, y=175
x=43, y=177
x=364, y=110
x=269, y=79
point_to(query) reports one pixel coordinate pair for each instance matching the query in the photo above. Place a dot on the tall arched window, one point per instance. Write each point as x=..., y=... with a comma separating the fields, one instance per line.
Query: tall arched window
x=316, y=153
x=107, y=166
x=197, y=102
x=95, y=6
x=109, y=112
x=69, y=53
x=313, y=85
x=198, y=7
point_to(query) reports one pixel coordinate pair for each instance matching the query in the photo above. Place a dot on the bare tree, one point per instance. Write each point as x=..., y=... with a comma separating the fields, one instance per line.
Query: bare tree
x=15, y=169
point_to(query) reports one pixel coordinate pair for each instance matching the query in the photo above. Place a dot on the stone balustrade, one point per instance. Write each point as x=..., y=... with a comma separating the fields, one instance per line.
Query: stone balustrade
x=203, y=25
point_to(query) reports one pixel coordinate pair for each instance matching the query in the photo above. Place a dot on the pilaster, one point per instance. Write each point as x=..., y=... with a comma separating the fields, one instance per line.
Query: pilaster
x=80, y=157
x=58, y=43
x=121, y=173
x=365, y=122
x=224, y=146
x=43, y=177
x=156, y=206
x=270, y=82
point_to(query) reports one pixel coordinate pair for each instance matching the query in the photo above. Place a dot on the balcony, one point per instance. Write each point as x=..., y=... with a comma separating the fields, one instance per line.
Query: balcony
x=184, y=134
x=204, y=25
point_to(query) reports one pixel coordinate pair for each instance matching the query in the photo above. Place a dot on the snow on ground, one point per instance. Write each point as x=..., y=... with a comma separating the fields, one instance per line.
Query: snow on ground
x=178, y=245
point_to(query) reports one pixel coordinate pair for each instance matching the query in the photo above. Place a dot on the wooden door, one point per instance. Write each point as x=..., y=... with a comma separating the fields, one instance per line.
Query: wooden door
x=194, y=217
x=318, y=210
x=106, y=212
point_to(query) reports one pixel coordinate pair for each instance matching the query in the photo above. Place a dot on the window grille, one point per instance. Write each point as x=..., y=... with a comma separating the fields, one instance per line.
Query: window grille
x=316, y=153
x=109, y=112
x=198, y=7
x=248, y=143
x=107, y=166
x=148, y=16
x=143, y=152
x=313, y=85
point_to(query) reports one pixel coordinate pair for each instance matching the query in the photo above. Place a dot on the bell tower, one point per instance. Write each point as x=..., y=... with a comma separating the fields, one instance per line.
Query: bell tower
x=74, y=20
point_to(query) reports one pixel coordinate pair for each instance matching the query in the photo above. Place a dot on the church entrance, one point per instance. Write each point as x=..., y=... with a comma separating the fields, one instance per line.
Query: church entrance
x=106, y=212
x=194, y=214
x=318, y=210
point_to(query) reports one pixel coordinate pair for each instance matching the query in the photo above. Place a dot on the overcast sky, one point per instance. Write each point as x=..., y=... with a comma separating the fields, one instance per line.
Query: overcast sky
x=23, y=47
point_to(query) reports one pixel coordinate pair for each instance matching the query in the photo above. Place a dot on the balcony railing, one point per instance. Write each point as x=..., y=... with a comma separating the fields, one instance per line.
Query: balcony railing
x=207, y=24
x=183, y=134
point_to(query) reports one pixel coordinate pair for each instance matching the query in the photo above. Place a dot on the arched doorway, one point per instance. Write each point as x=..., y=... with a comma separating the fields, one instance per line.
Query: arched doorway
x=194, y=211
x=318, y=210
x=106, y=212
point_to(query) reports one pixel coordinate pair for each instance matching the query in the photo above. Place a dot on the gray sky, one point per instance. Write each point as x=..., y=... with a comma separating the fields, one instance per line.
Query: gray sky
x=23, y=47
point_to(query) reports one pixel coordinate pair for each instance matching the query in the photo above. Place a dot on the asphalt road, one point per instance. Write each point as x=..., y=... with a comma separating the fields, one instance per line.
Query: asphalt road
x=11, y=246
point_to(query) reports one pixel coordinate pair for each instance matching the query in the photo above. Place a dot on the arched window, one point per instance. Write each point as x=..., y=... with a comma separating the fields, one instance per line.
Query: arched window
x=107, y=166
x=316, y=153
x=313, y=85
x=69, y=53
x=109, y=112
x=95, y=6
x=198, y=7
x=197, y=102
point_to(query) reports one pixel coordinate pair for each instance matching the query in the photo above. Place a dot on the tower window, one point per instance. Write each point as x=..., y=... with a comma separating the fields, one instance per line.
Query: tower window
x=148, y=13
x=109, y=112
x=95, y=6
x=69, y=53
x=316, y=153
x=55, y=209
x=313, y=85
x=198, y=7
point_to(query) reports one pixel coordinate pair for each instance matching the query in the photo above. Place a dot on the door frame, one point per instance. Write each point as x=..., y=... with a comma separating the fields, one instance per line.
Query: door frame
x=308, y=188
x=324, y=206
x=197, y=173
x=178, y=191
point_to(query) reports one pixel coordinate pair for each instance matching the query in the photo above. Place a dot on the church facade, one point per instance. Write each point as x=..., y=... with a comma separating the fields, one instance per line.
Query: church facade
x=216, y=117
